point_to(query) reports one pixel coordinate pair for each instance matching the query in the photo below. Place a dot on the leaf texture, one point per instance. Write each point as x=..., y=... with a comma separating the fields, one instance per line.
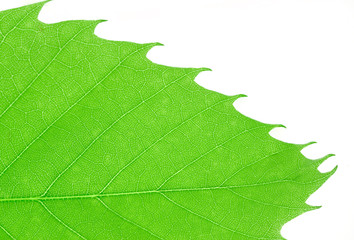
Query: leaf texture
x=98, y=142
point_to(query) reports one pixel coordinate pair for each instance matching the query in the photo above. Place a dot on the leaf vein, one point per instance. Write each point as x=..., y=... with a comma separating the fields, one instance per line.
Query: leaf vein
x=7, y=232
x=59, y=220
x=206, y=153
x=66, y=111
x=210, y=220
x=157, y=141
x=127, y=220
x=105, y=130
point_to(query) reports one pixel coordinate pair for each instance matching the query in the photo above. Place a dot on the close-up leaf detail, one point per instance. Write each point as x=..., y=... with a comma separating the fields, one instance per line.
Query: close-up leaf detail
x=99, y=142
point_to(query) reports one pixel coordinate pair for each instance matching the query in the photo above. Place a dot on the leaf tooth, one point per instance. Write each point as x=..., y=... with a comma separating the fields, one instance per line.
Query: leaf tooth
x=233, y=98
x=93, y=24
x=321, y=181
x=158, y=44
x=277, y=126
x=269, y=126
x=302, y=146
x=101, y=20
x=36, y=7
x=153, y=44
x=87, y=26
x=310, y=207
x=329, y=173
x=197, y=71
x=146, y=47
x=319, y=161
x=239, y=96
x=205, y=69
x=40, y=3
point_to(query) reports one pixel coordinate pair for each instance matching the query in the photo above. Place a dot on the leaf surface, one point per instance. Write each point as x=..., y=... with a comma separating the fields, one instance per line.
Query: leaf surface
x=98, y=142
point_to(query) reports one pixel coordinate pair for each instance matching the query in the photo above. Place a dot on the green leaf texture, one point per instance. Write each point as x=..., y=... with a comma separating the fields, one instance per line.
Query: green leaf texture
x=98, y=142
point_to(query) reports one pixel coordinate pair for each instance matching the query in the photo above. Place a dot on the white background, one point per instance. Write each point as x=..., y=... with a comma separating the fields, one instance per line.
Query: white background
x=293, y=58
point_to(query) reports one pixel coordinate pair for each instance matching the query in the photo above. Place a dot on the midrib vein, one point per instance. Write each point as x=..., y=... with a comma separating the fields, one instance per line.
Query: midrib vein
x=46, y=198
x=110, y=194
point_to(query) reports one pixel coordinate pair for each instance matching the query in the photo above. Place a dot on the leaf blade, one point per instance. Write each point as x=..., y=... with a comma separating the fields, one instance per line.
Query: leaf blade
x=101, y=143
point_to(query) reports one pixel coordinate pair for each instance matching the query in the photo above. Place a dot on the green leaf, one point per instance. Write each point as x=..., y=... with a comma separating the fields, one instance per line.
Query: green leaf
x=98, y=142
